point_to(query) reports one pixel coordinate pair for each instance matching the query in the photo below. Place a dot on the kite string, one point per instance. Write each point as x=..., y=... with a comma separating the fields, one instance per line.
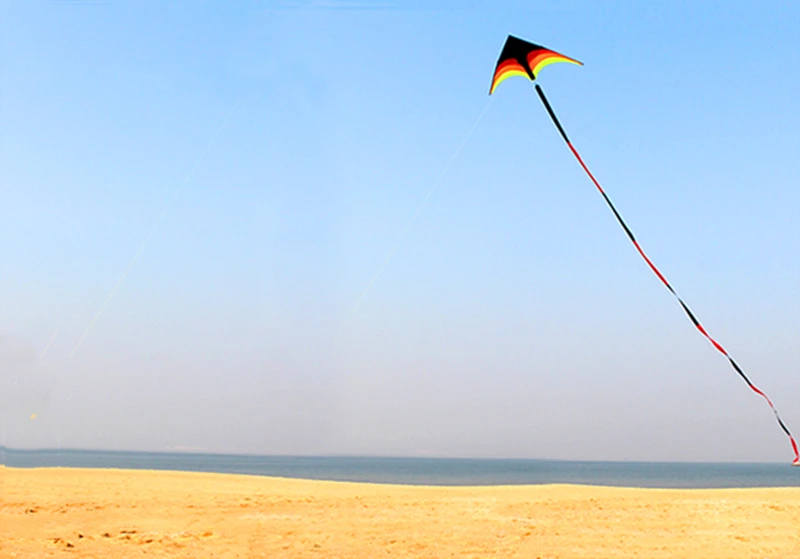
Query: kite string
x=153, y=229
x=414, y=217
x=663, y=279
x=49, y=343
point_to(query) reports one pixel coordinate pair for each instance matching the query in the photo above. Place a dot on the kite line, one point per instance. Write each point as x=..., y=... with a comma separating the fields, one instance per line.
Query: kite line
x=414, y=217
x=521, y=58
x=153, y=230
x=49, y=343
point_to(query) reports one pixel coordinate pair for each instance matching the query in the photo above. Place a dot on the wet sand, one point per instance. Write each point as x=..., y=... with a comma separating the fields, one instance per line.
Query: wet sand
x=63, y=512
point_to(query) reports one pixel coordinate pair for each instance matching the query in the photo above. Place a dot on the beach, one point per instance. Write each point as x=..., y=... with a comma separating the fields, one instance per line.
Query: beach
x=104, y=513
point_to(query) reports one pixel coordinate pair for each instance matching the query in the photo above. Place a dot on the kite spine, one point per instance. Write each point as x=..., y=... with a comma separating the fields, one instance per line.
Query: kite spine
x=663, y=279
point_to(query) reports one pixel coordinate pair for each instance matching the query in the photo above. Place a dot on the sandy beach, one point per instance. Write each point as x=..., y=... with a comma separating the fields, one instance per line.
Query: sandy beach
x=58, y=512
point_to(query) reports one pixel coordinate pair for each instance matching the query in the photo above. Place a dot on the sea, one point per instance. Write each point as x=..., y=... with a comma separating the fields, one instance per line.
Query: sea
x=426, y=471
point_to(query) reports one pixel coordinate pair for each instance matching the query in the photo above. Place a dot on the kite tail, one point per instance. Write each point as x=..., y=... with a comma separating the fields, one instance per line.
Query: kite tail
x=663, y=280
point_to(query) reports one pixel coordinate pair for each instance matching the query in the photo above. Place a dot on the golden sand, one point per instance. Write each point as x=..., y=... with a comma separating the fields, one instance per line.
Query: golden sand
x=62, y=512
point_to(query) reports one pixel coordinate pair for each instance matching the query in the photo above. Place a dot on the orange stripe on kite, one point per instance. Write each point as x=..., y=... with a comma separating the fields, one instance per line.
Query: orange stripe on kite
x=539, y=59
x=506, y=70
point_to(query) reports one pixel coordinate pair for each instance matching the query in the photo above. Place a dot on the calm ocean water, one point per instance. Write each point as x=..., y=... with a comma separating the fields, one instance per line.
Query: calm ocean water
x=427, y=471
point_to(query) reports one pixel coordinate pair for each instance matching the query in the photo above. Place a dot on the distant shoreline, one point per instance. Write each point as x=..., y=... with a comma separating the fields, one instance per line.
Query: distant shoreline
x=426, y=471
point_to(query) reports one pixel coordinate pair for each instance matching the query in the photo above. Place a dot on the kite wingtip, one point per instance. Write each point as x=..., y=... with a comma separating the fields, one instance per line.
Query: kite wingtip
x=796, y=462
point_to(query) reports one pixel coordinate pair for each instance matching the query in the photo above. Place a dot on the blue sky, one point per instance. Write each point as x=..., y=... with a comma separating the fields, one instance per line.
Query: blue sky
x=277, y=152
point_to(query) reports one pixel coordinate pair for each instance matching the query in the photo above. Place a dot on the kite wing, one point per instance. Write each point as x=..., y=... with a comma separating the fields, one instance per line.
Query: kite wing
x=521, y=58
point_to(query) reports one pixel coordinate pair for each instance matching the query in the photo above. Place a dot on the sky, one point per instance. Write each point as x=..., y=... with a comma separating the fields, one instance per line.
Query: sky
x=303, y=227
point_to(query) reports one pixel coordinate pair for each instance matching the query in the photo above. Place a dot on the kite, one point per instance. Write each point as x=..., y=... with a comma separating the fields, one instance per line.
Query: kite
x=521, y=58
